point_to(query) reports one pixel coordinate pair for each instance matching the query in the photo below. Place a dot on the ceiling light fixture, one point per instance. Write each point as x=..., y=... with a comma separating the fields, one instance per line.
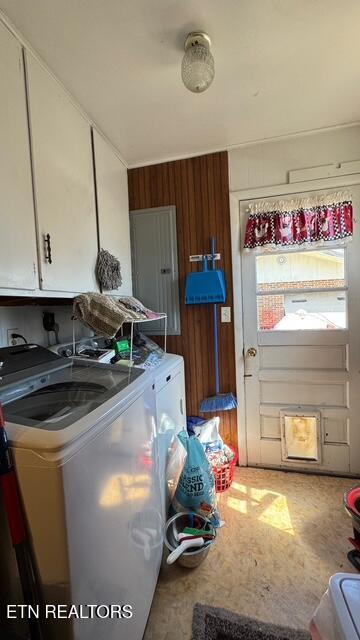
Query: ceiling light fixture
x=197, y=69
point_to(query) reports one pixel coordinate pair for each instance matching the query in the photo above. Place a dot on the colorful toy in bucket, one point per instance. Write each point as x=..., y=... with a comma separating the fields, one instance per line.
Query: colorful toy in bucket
x=188, y=538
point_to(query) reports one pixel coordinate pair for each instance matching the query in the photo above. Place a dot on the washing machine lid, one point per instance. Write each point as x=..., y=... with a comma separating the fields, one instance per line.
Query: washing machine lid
x=16, y=361
x=49, y=407
x=344, y=589
x=58, y=398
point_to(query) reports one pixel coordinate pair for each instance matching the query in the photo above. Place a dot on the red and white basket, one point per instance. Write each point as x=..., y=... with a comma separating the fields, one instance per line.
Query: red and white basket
x=224, y=475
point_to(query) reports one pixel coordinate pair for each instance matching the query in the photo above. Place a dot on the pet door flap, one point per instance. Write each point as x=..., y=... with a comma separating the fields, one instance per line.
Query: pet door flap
x=300, y=436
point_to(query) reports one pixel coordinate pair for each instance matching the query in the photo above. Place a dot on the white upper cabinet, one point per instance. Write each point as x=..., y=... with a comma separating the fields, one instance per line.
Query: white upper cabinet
x=113, y=209
x=64, y=186
x=18, y=261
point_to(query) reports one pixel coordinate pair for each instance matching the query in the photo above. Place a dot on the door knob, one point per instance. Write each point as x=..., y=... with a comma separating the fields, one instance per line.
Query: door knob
x=251, y=352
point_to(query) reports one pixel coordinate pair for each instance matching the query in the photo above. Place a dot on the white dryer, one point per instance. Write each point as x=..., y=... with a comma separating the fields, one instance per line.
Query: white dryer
x=170, y=420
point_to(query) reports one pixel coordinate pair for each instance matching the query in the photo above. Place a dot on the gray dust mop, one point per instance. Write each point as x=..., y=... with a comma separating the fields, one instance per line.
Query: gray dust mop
x=108, y=271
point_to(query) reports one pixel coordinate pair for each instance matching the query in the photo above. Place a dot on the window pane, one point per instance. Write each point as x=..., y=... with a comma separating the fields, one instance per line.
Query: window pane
x=298, y=311
x=301, y=269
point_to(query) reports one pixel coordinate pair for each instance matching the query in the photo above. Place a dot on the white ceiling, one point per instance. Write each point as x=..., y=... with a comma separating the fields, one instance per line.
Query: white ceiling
x=282, y=66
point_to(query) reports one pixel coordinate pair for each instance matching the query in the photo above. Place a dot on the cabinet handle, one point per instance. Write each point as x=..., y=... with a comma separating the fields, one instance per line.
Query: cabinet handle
x=181, y=407
x=47, y=241
x=168, y=378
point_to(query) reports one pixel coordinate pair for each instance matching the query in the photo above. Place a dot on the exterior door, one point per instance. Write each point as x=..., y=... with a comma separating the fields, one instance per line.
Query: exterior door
x=302, y=354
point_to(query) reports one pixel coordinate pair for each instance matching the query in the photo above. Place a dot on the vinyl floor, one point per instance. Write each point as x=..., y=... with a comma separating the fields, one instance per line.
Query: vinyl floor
x=285, y=535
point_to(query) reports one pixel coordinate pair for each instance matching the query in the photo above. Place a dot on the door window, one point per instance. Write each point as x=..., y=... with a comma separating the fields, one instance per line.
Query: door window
x=301, y=290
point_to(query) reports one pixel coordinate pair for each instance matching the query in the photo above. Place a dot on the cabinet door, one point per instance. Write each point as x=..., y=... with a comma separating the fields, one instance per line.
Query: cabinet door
x=64, y=185
x=113, y=209
x=17, y=234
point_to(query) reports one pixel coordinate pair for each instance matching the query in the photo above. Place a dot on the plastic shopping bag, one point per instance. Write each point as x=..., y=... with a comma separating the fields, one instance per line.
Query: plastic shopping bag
x=196, y=489
x=208, y=434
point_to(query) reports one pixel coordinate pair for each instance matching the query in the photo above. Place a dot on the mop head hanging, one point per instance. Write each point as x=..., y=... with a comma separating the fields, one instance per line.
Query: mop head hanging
x=220, y=402
x=108, y=270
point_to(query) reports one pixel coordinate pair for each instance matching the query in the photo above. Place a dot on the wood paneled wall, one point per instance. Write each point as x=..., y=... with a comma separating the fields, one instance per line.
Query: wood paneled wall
x=199, y=188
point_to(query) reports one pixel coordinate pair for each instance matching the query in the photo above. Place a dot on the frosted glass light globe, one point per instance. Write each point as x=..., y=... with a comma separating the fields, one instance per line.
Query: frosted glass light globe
x=198, y=67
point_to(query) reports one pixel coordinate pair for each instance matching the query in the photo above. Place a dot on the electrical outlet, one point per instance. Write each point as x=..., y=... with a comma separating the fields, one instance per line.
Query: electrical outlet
x=225, y=314
x=12, y=342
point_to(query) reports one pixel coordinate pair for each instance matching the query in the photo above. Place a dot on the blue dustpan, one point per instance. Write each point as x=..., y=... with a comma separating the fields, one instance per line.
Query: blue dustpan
x=206, y=286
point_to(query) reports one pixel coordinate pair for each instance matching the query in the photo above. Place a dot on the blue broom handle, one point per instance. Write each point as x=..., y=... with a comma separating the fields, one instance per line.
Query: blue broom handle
x=216, y=347
x=216, y=332
x=213, y=252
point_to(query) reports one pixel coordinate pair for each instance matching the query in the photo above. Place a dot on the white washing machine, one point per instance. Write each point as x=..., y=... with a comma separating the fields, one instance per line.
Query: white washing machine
x=338, y=615
x=84, y=441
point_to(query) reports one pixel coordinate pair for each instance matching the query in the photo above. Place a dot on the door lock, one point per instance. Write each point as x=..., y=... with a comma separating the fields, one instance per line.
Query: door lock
x=251, y=352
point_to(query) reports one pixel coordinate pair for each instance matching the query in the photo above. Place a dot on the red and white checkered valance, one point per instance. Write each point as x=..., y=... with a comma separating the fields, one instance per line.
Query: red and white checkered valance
x=309, y=221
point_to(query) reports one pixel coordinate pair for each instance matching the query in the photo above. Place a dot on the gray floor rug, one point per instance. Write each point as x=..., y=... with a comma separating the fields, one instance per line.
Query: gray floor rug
x=211, y=623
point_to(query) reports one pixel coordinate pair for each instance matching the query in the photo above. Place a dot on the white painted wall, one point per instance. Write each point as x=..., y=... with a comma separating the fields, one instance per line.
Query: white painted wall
x=268, y=163
x=28, y=321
